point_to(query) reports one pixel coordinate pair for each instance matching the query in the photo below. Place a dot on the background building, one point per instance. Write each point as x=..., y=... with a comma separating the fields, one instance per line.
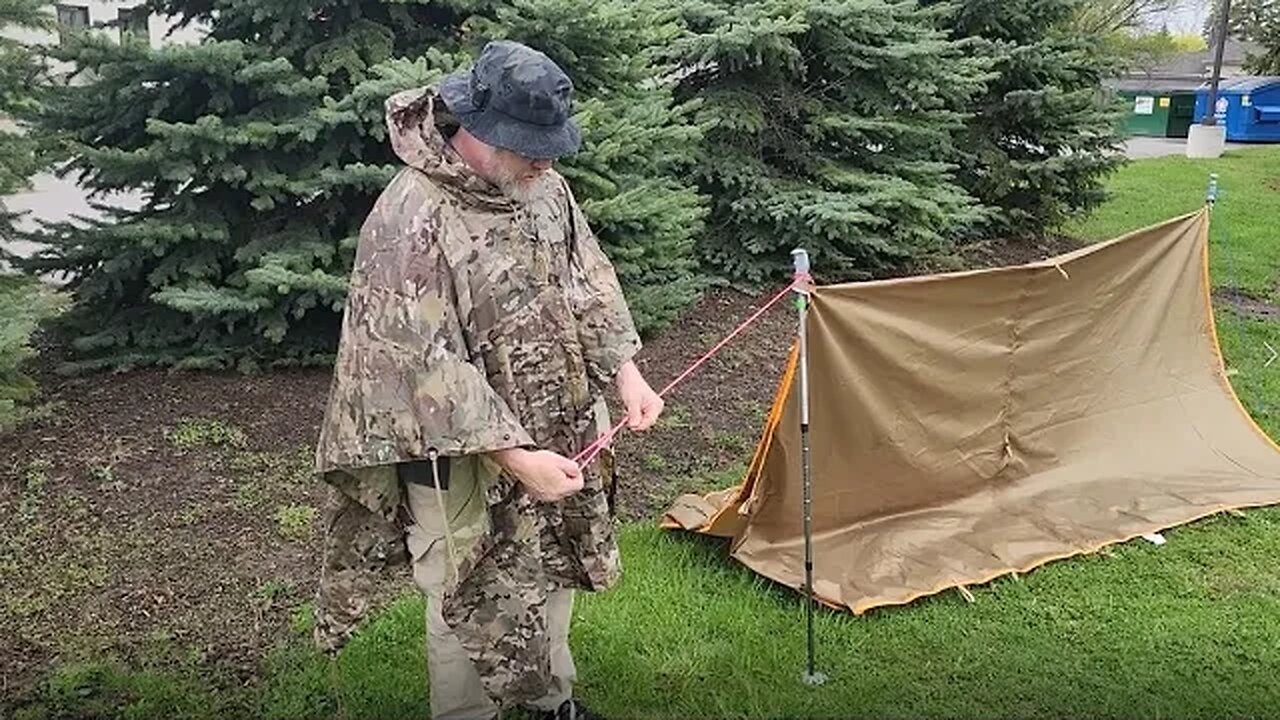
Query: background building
x=1162, y=98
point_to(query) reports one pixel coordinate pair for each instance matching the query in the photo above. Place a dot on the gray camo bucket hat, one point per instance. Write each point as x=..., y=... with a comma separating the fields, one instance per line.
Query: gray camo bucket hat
x=516, y=98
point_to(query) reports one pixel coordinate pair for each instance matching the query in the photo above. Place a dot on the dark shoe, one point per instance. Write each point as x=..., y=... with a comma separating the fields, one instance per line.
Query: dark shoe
x=571, y=710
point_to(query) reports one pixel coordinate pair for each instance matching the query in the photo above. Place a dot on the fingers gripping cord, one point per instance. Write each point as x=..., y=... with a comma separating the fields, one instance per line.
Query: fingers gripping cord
x=592, y=451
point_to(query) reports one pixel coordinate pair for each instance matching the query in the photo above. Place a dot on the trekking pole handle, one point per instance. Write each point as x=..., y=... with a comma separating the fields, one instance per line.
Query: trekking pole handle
x=800, y=256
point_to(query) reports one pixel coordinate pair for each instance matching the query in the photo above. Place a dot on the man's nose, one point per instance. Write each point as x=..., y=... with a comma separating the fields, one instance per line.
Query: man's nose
x=541, y=164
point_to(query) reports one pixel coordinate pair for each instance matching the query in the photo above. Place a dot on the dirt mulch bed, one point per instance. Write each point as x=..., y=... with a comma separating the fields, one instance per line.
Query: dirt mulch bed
x=1017, y=252
x=143, y=512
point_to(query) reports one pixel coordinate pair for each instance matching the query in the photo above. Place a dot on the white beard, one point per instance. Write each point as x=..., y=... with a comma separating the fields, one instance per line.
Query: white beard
x=520, y=192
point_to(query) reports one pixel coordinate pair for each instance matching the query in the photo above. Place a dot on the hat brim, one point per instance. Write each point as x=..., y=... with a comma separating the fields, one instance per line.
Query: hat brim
x=539, y=142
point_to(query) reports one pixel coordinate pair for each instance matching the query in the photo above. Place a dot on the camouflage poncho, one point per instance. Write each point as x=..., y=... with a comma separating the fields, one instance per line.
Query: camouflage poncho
x=474, y=324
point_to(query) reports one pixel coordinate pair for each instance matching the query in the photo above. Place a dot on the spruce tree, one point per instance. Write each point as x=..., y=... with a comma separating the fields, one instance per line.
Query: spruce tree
x=829, y=125
x=261, y=150
x=21, y=78
x=1045, y=134
x=24, y=303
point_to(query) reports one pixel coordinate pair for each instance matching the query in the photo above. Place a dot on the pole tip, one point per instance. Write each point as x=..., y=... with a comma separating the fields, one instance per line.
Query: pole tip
x=801, y=258
x=813, y=678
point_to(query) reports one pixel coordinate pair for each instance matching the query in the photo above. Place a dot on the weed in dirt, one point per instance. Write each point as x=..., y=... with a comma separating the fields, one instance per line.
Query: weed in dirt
x=275, y=469
x=47, y=413
x=189, y=515
x=701, y=480
x=36, y=470
x=33, y=482
x=720, y=479
x=736, y=356
x=708, y=339
x=654, y=462
x=102, y=474
x=302, y=619
x=197, y=433
x=293, y=522
x=251, y=495
x=754, y=409
x=76, y=507
x=78, y=574
x=26, y=602
x=18, y=542
x=270, y=594
x=674, y=417
x=731, y=443
x=79, y=563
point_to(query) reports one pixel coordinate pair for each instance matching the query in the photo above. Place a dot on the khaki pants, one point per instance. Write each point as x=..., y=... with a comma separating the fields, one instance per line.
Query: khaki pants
x=455, y=689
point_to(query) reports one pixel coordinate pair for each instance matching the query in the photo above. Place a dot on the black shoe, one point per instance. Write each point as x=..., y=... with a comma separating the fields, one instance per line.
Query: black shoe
x=571, y=710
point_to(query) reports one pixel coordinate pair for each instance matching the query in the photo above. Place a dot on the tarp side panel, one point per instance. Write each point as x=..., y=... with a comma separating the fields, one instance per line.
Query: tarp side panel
x=970, y=425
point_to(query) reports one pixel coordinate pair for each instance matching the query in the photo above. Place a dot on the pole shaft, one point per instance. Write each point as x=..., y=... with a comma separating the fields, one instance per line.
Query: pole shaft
x=1224, y=25
x=802, y=304
x=808, y=481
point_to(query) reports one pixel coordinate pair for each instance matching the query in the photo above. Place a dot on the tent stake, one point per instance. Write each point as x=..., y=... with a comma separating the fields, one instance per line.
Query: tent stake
x=802, y=284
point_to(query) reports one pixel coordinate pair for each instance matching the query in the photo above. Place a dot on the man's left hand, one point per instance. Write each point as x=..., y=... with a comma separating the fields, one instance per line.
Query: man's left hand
x=642, y=404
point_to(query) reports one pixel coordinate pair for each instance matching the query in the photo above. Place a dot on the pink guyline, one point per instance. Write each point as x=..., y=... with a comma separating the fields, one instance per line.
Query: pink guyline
x=592, y=451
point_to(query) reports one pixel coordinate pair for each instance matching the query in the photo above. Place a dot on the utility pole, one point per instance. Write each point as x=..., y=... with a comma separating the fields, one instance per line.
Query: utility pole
x=1224, y=24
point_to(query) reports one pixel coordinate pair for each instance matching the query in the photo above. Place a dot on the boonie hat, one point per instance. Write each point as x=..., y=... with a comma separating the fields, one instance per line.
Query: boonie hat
x=515, y=97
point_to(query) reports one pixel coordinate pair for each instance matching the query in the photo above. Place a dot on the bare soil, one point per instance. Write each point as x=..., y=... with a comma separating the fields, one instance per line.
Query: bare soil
x=1246, y=304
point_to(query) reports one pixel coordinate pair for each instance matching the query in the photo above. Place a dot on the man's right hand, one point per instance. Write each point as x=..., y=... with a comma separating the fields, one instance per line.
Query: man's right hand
x=546, y=476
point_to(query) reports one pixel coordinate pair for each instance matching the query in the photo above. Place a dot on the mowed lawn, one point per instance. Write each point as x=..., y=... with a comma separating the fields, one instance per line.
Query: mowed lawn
x=1187, y=629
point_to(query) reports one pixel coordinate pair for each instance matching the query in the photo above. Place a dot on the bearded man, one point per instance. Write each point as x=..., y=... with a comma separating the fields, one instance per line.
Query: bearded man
x=483, y=331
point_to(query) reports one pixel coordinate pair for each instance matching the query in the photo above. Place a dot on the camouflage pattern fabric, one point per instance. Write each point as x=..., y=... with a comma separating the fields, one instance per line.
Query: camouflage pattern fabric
x=358, y=545
x=475, y=323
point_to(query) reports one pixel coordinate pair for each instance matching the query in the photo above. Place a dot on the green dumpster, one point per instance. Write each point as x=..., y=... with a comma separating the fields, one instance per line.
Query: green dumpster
x=1159, y=110
x=1148, y=114
x=1182, y=113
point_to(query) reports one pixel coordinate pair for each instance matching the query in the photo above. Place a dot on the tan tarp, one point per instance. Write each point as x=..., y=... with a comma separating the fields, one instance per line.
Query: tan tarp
x=968, y=425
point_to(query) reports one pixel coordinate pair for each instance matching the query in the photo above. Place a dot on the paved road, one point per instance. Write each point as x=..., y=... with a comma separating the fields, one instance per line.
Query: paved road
x=1150, y=147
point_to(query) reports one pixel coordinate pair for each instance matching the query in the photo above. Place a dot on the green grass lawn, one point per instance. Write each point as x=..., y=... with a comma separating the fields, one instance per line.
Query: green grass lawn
x=1189, y=629
x=1244, y=250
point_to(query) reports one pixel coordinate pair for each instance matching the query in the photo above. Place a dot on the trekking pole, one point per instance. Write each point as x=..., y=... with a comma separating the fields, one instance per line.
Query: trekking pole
x=802, y=284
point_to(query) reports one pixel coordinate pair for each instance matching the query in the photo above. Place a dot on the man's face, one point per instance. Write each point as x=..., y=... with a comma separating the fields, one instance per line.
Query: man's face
x=515, y=174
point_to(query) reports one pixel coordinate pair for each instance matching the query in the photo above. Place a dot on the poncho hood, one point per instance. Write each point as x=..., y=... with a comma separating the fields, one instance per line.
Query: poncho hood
x=419, y=125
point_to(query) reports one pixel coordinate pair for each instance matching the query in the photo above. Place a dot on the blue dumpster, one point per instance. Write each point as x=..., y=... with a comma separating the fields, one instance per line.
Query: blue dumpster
x=1248, y=106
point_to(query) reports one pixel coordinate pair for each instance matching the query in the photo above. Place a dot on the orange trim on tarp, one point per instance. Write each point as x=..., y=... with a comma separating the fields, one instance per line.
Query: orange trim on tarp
x=721, y=508
x=1217, y=346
